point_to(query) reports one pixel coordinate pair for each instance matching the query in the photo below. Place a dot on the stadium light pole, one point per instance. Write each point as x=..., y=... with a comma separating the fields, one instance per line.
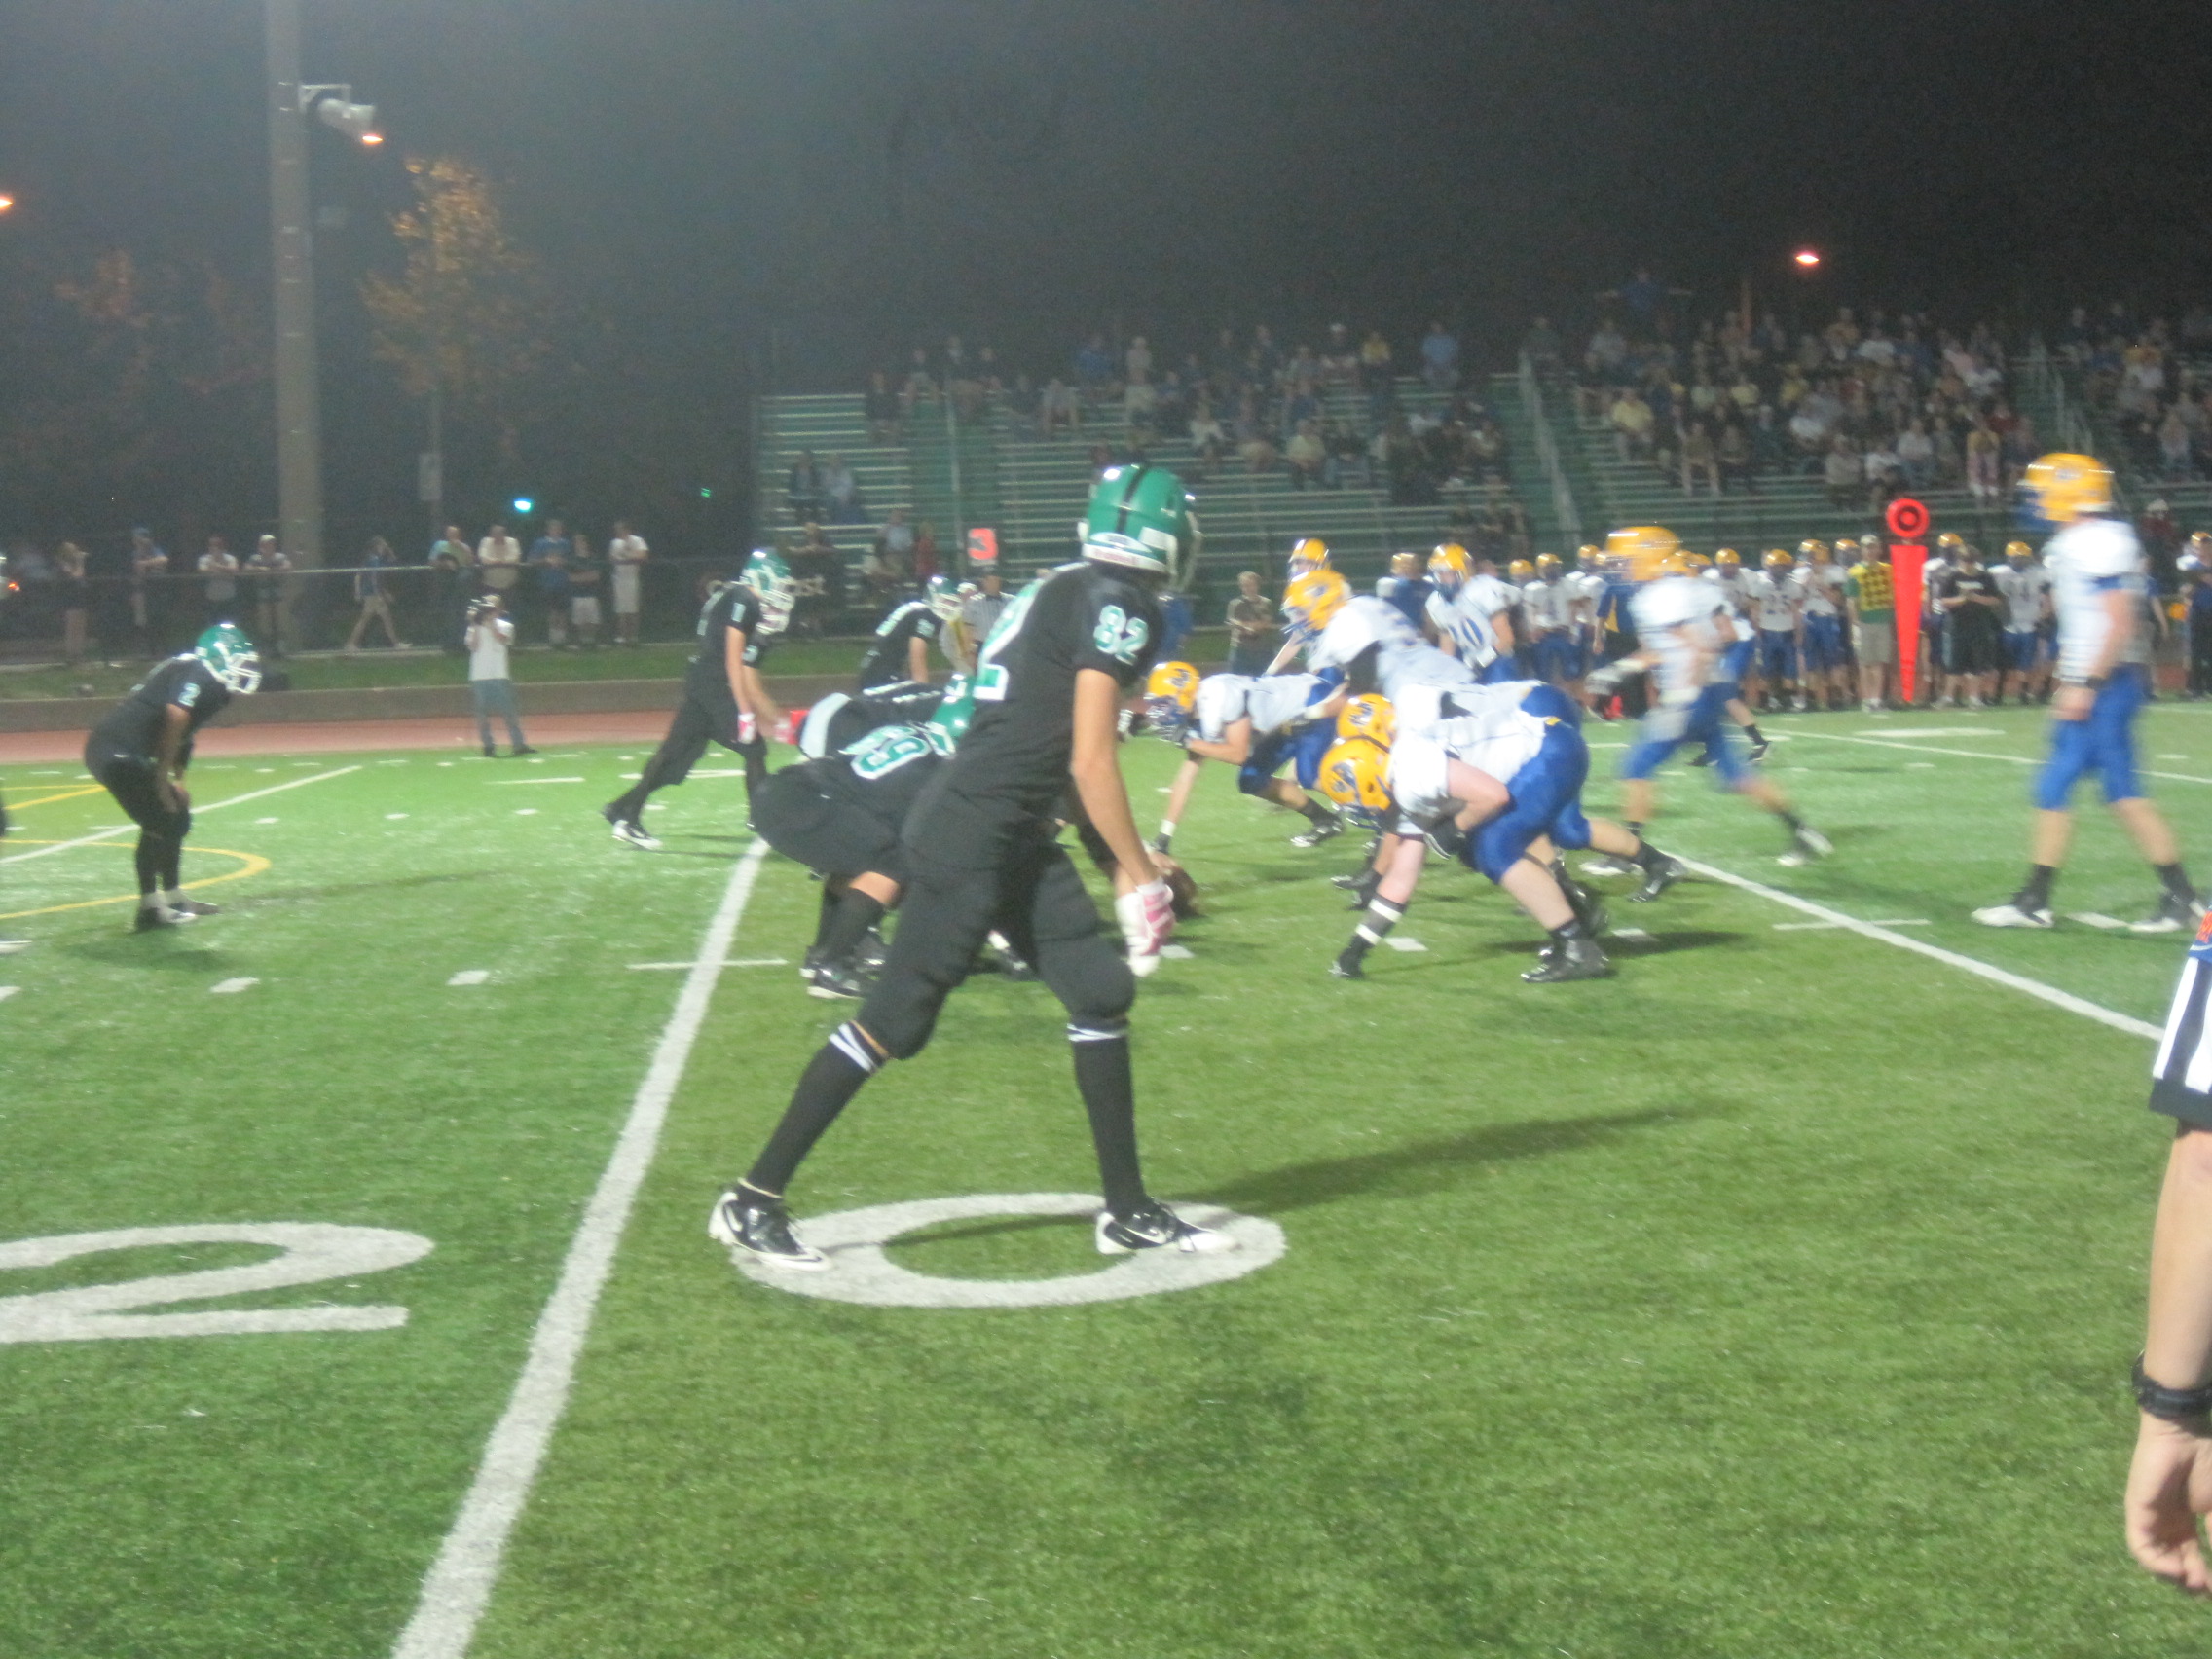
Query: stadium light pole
x=298, y=409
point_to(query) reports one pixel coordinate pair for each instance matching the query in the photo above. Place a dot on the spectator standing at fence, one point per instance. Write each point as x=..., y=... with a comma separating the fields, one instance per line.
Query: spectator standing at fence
x=219, y=582
x=978, y=614
x=1058, y=407
x=2162, y=539
x=490, y=682
x=76, y=596
x=149, y=594
x=587, y=579
x=267, y=570
x=451, y=587
x=372, y=591
x=1252, y=626
x=626, y=555
x=550, y=563
x=893, y=549
x=499, y=556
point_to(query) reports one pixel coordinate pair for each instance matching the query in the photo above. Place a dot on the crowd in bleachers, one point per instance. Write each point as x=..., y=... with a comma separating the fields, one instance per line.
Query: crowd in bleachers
x=1322, y=415
x=1874, y=405
x=2153, y=381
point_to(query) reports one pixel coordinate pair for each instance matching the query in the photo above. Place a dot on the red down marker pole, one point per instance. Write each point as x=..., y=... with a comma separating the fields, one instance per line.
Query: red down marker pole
x=1908, y=520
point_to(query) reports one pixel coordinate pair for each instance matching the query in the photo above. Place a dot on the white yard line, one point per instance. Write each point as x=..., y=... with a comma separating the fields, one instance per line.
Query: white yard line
x=2051, y=994
x=1973, y=754
x=509, y=783
x=458, y=1585
x=215, y=806
x=684, y=967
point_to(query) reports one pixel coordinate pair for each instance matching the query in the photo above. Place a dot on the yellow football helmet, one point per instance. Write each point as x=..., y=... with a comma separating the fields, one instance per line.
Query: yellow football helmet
x=1645, y=550
x=1587, y=555
x=1310, y=553
x=2068, y=487
x=2018, y=550
x=1405, y=564
x=1370, y=716
x=1727, y=557
x=1170, y=694
x=1950, y=541
x=1777, y=559
x=1694, y=561
x=2200, y=543
x=1176, y=680
x=1813, y=548
x=1550, y=565
x=1355, y=774
x=1450, y=565
x=1521, y=570
x=1315, y=597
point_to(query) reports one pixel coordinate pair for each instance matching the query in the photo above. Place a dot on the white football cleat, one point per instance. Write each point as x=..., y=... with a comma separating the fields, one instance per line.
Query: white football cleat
x=634, y=835
x=2010, y=915
x=1156, y=1227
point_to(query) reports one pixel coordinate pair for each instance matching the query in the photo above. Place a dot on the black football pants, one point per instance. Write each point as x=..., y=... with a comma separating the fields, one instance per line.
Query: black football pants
x=162, y=828
x=696, y=724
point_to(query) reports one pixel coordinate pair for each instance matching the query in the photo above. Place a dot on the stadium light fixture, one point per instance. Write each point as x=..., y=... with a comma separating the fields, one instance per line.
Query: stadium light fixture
x=339, y=111
x=1806, y=259
x=522, y=504
x=7, y=202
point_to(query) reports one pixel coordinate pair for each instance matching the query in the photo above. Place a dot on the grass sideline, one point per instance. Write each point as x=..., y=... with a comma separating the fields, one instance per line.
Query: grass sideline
x=533, y=664
x=1724, y=1307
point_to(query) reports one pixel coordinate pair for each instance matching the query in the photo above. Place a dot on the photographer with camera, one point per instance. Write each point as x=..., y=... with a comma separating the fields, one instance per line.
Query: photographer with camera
x=490, y=685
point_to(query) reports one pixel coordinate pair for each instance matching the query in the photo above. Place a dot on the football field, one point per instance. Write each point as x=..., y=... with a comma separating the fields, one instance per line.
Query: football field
x=1774, y=1297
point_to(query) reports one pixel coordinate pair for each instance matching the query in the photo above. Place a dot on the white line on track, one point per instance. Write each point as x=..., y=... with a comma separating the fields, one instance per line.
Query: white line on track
x=2051, y=994
x=507, y=783
x=471, y=976
x=7, y=992
x=458, y=1585
x=215, y=806
x=1977, y=754
x=1399, y=942
x=1816, y=927
x=232, y=988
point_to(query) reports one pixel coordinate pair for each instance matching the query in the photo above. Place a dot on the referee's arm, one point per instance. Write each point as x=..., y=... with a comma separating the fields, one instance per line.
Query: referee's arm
x=2169, y=1484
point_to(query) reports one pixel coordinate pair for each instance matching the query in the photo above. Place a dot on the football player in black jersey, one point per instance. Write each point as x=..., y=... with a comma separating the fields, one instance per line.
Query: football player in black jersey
x=722, y=687
x=140, y=752
x=840, y=816
x=899, y=655
x=982, y=854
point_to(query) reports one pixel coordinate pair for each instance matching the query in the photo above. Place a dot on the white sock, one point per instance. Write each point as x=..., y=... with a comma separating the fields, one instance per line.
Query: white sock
x=152, y=901
x=174, y=898
x=1167, y=829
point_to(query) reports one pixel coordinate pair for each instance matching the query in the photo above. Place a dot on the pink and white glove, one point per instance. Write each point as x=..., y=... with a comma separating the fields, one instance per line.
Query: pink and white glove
x=1148, y=918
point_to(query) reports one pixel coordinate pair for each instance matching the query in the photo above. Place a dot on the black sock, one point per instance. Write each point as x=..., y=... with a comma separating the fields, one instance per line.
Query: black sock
x=1573, y=928
x=1752, y=731
x=630, y=808
x=2175, y=880
x=147, y=859
x=754, y=754
x=2035, y=892
x=1315, y=811
x=1647, y=857
x=856, y=912
x=1791, y=821
x=826, y=915
x=1635, y=828
x=831, y=1079
x=173, y=865
x=1109, y=1095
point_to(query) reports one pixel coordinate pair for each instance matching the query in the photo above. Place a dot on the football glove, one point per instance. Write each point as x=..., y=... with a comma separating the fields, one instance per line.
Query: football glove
x=1147, y=917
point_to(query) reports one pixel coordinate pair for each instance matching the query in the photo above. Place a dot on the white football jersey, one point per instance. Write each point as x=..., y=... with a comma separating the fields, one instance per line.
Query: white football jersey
x=2023, y=588
x=1819, y=588
x=1672, y=622
x=1466, y=624
x=1498, y=739
x=2087, y=560
x=1731, y=581
x=1774, y=601
x=1272, y=701
x=1549, y=604
x=1402, y=656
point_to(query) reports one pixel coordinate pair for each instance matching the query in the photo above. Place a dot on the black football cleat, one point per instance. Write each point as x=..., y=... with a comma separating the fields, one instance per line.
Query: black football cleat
x=1347, y=965
x=761, y=1227
x=154, y=917
x=1326, y=831
x=1570, y=959
x=194, y=907
x=1657, y=879
x=835, y=981
x=1156, y=1227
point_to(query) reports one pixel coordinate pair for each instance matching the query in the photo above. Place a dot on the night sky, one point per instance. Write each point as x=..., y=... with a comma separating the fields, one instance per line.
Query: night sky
x=862, y=174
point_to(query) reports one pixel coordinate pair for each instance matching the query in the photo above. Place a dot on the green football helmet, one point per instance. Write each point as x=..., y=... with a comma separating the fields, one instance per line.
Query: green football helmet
x=950, y=723
x=230, y=657
x=1141, y=516
x=773, y=585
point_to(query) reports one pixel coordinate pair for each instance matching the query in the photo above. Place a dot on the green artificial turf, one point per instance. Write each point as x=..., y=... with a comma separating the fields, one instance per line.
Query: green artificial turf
x=374, y=669
x=1772, y=1298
